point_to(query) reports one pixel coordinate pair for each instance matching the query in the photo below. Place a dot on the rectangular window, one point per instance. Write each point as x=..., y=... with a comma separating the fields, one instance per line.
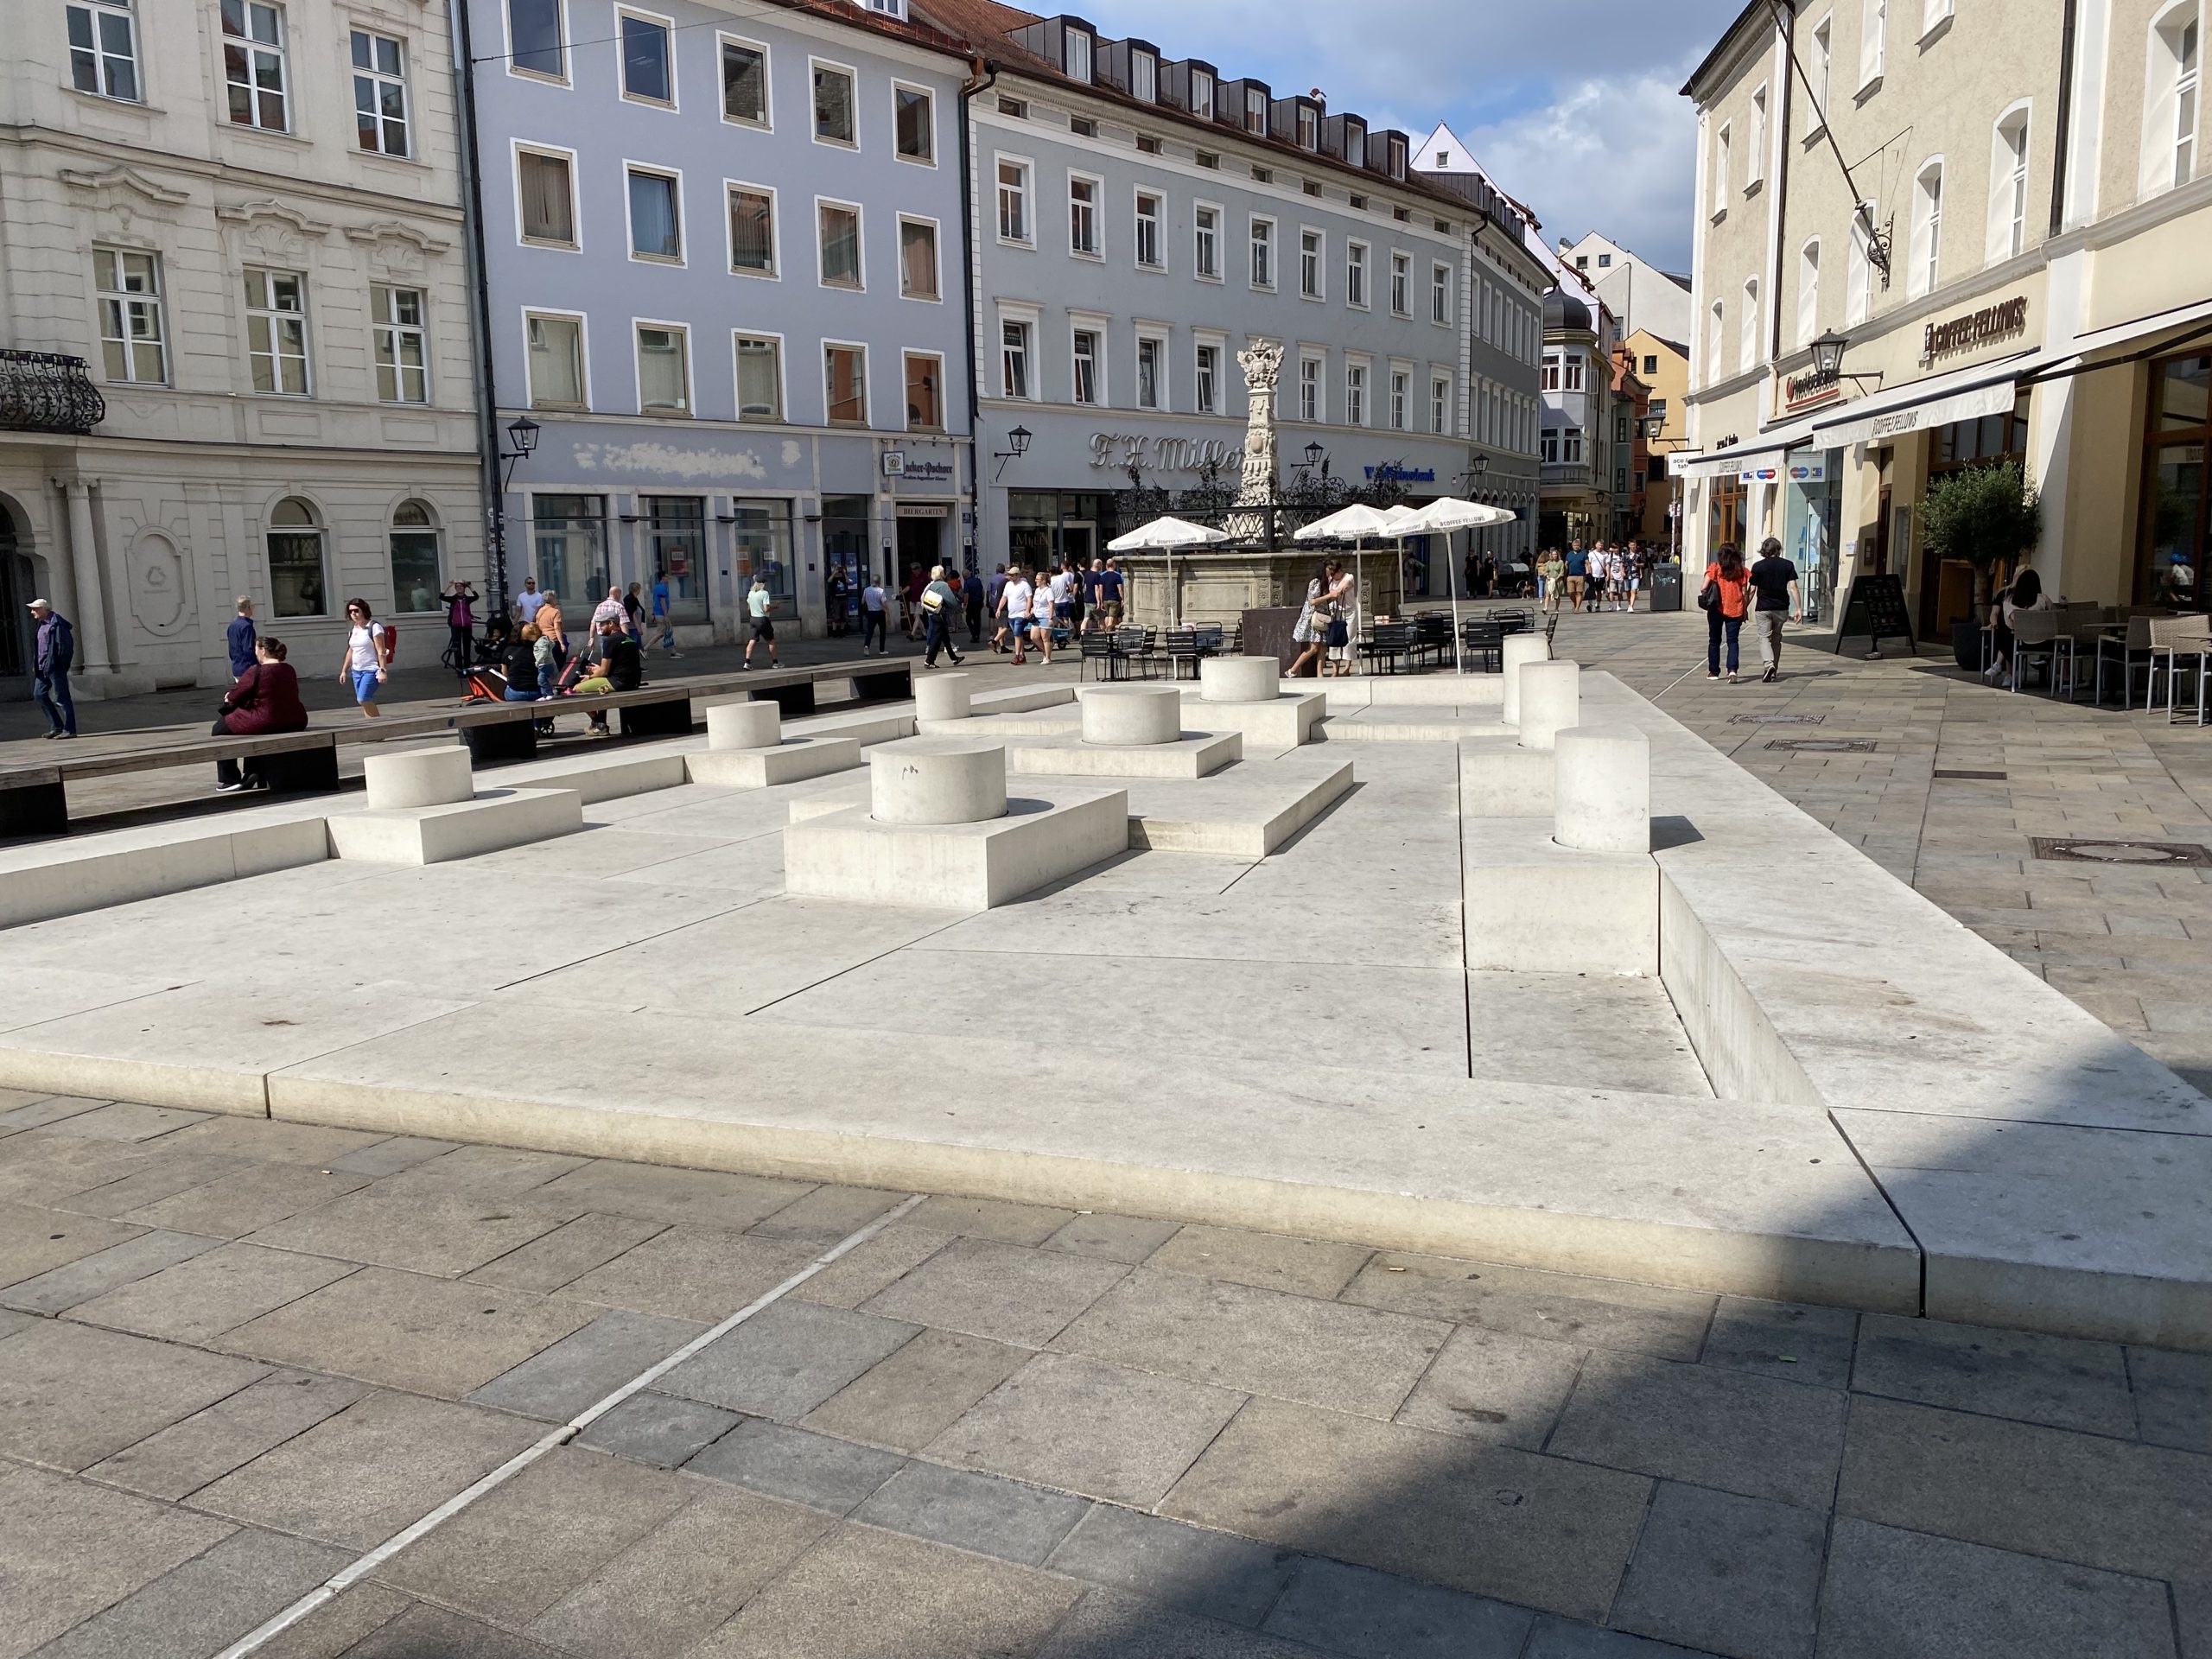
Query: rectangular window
x=1144, y=77
x=1205, y=243
x=1402, y=284
x=759, y=378
x=1255, y=110
x=1083, y=213
x=535, y=42
x=1402, y=392
x=1078, y=55
x=1571, y=450
x=381, y=93
x=1309, y=264
x=1718, y=203
x=134, y=345
x=1355, y=276
x=745, y=83
x=1086, y=366
x=918, y=277
x=1309, y=128
x=2008, y=189
x=1551, y=372
x=277, y=331
x=1014, y=358
x=845, y=371
x=841, y=244
x=544, y=187
x=1355, y=394
x=1871, y=42
x=1209, y=380
x=648, y=58
x=2188, y=73
x=1439, y=294
x=1202, y=94
x=924, y=392
x=1309, y=388
x=1013, y=201
x=1148, y=210
x=1263, y=253
x=1754, y=159
x=1016, y=107
x=664, y=369
x=557, y=362
x=656, y=228
x=1548, y=452
x=1439, y=405
x=402, y=343
x=752, y=231
x=833, y=106
x=913, y=112
x=1574, y=367
x=1150, y=349
x=103, y=49
x=253, y=65
x=1817, y=65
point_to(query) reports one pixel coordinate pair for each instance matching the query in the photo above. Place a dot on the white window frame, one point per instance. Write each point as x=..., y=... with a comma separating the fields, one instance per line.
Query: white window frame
x=1820, y=69
x=723, y=41
x=860, y=247
x=1203, y=106
x=1572, y=449
x=1258, y=250
x=1080, y=324
x=1808, y=292
x=1933, y=14
x=1201, y=268
x=781, y=416
x=1026, y=318
x=937, y=257
x=1754, y=156
x=621, y=80
x=1439, y=295
x=1402, y=396
x=1873, y=42
x=514, y=67
x=1312, y=388
x=1163, y=394
x=531, y=147
x=1313, y=262
x=1923, y=272
x=775, y=271
x=897, y=154
x=906, y=356
x=675, y=177
x=1158, y=219
x=1087, y=71
x=393, y=333
x=1717, y=199
x=637, y=325
x=2173, y=101
x=1358, y=290
x=1098, y=248
x=2006, y=234
x=1441, y=421
x=377, y=79
x=1401, y=283
x=98, y=59
x=129, y=308
x=1024, y=194
x=280, y=49
x=1144, y=77
x=1747, y=346
x=273, y=315
x=814, y=66
x=554, y=314
x=1359, y=386
x=866, y=421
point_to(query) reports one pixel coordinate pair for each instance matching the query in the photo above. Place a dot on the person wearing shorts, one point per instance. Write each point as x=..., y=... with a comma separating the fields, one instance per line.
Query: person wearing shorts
x=367, y=657
x=760, y=605
x=1111, y=583
x=1014, y=600
x=1578, y=569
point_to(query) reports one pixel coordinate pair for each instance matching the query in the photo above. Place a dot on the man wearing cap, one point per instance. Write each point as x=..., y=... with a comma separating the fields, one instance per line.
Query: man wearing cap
x=57, y=651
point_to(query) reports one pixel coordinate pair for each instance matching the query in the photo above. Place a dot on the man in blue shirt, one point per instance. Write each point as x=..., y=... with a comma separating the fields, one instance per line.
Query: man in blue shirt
x=56, y=653
x=1110, y=590
x=241, y=637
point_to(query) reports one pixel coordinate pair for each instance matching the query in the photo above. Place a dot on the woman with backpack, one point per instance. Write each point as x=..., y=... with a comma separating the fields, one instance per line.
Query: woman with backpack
x=1725, y=601
x=368, y=656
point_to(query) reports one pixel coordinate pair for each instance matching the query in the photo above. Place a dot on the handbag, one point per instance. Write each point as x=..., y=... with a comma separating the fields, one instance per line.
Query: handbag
x=1340, y=634
x=1709, y=597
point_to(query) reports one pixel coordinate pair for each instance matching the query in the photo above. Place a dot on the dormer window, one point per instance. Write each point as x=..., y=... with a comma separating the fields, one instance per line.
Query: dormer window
x=886, y=8
x=1202, y=94
x=1144, y=77
x=1309, y=128
x=1355, y=144
x=1255, y=111
x=1398, y=158
x=1078, y=55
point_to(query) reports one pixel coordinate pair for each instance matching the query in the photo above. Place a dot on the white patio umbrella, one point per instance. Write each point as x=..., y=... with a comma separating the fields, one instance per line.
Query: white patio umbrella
x=1355, y=523
x=1441, y=518
x=1167, y=536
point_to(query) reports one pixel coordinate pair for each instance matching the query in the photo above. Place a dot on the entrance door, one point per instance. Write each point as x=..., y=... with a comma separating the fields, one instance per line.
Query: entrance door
x=1079, y=542
x=16, y=644
x=921, y=543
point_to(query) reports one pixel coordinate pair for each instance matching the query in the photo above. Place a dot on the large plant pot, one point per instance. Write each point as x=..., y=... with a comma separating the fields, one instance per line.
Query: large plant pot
x=1966, y=643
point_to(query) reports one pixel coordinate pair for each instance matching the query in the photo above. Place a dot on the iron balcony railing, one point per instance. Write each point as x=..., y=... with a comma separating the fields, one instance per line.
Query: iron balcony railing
x=45, y=392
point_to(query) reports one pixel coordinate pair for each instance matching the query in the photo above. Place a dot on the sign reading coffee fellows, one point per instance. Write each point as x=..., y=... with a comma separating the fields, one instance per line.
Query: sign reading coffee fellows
x=2003, y=321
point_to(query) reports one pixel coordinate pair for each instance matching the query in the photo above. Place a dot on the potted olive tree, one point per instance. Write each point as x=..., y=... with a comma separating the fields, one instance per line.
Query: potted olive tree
x=1984, y=517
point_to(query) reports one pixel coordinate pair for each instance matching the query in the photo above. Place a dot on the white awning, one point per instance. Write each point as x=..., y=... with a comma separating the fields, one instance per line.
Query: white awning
x=1962, y=395
x=2076, y=356
x=1762, y=453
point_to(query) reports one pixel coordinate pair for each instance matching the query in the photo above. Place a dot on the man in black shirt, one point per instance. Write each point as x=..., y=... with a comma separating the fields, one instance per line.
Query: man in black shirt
x=618, y=664
x=1774, y=580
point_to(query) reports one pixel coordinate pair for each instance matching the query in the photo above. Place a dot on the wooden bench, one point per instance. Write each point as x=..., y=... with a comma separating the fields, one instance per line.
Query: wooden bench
x=33, y=799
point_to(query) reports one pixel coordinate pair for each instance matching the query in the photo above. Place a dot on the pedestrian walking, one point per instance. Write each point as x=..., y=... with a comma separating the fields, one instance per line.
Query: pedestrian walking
x=940, y=604
x=760, y=606
x=875, y=620
x=971, y=599
x=53, y=656
x=834, y=593
x=994, y=591
x=368, y=656
x=1552, y=578
x=1773, y=579
x=1343, y=616
x=1112, y=595
x=528, y=601
x=1723, y=599
x=1311, y=632
x=264, y=698
x=1578, y=573
x=1015, y=600
x=460, y=624
x=633, y=614
x=662, y=620
x=910, y=602
x=239, y=636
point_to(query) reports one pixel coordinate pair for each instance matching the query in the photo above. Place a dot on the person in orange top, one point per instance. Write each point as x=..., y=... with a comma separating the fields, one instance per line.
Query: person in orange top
x=1727, y=585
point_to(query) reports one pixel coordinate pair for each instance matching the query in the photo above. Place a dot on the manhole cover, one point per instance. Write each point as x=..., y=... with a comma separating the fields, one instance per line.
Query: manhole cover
x=1979, y=776
x=2122, y=852
x=1823, y=745
x=1775, y=719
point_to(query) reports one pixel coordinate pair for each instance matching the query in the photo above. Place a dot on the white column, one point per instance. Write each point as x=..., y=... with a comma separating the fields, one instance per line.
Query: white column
x=1551, y=701
x=91, y=619
x=1601, y=790
x=1521, y=648
x=60, y=590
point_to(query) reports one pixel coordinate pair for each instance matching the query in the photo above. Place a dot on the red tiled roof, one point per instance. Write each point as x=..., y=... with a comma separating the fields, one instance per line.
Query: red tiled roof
x=853, y=16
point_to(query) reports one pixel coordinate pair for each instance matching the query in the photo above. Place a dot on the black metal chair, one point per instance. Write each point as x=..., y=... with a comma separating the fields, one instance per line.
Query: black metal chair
x=1432, y=637
x=1483, y=646
x=1099, y=653
x=1391, y=643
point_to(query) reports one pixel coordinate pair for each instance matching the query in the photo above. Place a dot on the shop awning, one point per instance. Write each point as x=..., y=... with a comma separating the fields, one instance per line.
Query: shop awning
x=2110, y=345
x=1766, y=451
x=1962, y=395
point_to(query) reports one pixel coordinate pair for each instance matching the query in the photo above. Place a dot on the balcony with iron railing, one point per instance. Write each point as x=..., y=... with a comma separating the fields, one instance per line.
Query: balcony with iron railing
x=45, y=392
x=1568, y=475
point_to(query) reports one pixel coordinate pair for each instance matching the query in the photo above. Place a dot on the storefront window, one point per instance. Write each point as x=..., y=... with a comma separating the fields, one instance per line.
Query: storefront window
x=1812, y=508
x=1724, y=513
x=568, y=545
x=845, y=543
x=2176, y=513
x=760, y=545
x=1032, y=521
x=675, y=551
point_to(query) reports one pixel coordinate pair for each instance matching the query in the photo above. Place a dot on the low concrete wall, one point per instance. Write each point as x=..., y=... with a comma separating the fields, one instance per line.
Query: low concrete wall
x=62, y=878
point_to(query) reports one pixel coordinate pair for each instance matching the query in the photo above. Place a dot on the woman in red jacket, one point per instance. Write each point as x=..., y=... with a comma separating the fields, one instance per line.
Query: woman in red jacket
x=266, y=698
x=1728, y=584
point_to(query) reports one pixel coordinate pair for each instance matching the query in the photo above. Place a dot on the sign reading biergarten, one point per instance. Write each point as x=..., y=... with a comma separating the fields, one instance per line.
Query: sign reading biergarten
x=1991, y=323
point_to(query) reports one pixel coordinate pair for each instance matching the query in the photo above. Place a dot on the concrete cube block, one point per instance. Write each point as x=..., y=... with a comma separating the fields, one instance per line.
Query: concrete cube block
x=437, y=835
x=790, y=762
x=1283, y=721
x=413, y=778
x=1196, y=756
x=1534, y=906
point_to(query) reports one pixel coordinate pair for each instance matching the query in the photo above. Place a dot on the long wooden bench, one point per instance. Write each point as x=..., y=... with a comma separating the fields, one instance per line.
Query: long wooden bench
x=33, y=799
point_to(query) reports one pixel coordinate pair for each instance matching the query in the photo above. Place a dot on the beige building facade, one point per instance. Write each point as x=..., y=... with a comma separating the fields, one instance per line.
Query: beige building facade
x=235, y=301
x=2013, y=260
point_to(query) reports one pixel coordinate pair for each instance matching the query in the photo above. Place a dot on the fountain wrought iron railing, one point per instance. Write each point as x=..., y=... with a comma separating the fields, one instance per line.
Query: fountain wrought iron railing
x=46, y=391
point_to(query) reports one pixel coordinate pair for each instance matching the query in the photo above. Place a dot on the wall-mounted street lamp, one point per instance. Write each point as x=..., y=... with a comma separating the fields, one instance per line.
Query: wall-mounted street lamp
x=522, y=433
x=1017, y=446
x=1827, y=354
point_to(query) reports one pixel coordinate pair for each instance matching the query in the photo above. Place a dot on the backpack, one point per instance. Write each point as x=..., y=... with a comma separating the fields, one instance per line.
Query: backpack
x=391, y=644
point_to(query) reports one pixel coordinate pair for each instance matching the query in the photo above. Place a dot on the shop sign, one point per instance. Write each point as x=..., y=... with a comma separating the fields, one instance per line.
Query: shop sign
x=1975, y=329
x=1808, y=472
x=1804, y=391
x=922, y=510
x=1123, y=450
x=894, y=463
x=1394, y=473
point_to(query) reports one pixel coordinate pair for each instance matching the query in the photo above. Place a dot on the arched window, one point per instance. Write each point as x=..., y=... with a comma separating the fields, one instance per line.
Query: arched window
x=415, y=580
x=2008, y=185
x=2170, y=98
x=1749, y=350
x=1859, y=277
x=1716, y=344
x=1808, y=292
x=1927, y=258
x=295, y=563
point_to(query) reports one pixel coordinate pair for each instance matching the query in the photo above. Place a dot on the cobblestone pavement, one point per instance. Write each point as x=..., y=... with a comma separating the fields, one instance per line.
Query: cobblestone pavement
x=238, y=1355
x=1947, y=783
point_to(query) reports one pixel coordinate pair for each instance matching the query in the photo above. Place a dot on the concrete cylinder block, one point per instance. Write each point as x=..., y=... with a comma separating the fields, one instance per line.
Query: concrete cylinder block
x=1521, y=648
x=1240, y=679
x=941, y=696
x=936, y=780
x=1130, y=716
x=1551, y=701
x=1601, y=790
x=417, y=778
x=744, y=726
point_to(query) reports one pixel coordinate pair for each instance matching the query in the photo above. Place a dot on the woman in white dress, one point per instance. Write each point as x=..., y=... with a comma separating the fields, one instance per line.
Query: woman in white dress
x=1342, y=632
x=1312, y=633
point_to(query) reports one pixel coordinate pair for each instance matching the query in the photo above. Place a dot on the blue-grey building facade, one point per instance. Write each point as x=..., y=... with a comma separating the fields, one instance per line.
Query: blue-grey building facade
x=723, y=272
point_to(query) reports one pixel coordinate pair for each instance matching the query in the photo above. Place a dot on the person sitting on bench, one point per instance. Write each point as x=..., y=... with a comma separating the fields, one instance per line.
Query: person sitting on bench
x=265, y=698
x=618, y=664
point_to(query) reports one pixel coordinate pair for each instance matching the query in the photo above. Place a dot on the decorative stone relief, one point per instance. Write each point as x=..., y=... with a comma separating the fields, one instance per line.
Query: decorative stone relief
x=272, y=229
x=161, y=584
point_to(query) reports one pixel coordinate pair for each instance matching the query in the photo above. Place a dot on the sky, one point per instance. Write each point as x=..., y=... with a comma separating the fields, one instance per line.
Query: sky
x=1573, y=106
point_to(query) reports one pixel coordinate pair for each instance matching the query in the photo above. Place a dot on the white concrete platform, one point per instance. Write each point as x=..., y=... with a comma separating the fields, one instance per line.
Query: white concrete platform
x=436, y=834
x=1195, y=756
x=1498, y=778
x=1535, y=906
x=1051, y=720
x=63, y=877
x=1412, y=723
x=1247, y=810
x=793, y=760
x=1283, y=723
x=1046, y=835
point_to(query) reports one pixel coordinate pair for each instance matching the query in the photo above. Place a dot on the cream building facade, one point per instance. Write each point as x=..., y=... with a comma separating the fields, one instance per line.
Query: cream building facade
x=234, y=293
x=2014, y=262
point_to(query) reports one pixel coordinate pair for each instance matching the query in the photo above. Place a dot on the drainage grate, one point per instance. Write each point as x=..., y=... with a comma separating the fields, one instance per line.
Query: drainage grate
x=2122, y=852
x=1979, y=776
x=1823, y=745
x=1775, y=719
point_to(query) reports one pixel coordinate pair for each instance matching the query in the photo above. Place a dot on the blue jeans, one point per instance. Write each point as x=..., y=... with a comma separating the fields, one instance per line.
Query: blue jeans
x=52, y=691
x=1718, y=626
x=872, y=627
